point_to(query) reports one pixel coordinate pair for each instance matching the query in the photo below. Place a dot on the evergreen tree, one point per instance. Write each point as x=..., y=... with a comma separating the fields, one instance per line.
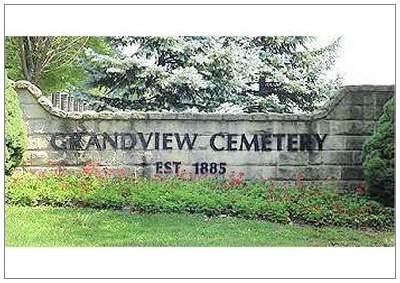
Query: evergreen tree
x=379, y=157
x=240, y=74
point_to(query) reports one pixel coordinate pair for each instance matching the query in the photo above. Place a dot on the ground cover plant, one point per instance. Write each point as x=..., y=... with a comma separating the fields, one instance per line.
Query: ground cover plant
x=211, y=197
x=83, y=227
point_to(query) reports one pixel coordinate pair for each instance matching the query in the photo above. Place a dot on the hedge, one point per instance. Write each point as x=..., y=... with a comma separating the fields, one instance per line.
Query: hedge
x=211, y=197
x=15, y=130
x=378, y=157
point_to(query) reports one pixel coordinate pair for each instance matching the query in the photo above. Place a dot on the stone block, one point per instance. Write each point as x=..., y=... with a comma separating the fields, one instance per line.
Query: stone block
x=34, y=111
x=315, y=157
x=130, y=171
x=352, y=127
x=334, y=143
x=293, y=158
x=353, y=98
x=321, y=172
x=90, y=126
x=38, y=142
x=322, y=126
x=105, y=158
x=293, y=127
x=25, y=97
x=49, y=126
x=111, y=126
x=346, y=112
x=72, y=158
x=357, y=157
x=111, y=158
x=370, y=99
x=40, y=158
x=369, y=113
x=383, y=97
x=354, y=142
x=340, y=158
x=352, y=173
x=37, y=126
x=178, y=126
x=153, y=156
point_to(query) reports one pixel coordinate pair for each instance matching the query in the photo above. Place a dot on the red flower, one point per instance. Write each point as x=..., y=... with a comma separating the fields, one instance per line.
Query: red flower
x=299, y=180
x=93, y=169
x=360, y=189
x=87, y=169
x=237, y=180
x=271, y=187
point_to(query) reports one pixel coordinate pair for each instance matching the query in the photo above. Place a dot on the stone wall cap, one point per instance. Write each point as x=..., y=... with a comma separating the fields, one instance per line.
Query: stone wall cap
x=372, y=88
x=321, y=113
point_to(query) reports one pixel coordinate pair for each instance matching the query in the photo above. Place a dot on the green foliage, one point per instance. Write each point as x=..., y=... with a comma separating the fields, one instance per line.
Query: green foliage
x=64, y=69
x=12, y=59
x=255, y=200
x=378, y=157
x=224, y=74
x=15, y=129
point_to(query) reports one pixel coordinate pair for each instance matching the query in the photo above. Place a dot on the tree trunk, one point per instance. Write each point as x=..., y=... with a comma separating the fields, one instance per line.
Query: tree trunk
x=26, y=69
x=262, y=86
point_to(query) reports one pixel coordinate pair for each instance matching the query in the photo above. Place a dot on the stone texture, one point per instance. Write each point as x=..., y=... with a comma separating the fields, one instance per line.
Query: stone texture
x=354, y=142
x=34, y=111
x=312, y=172
x=347, y=119
x=347, y=112
x=37, y=142
x=130, y=171
x=352, y=127
x=25, y=97
x=352, y=173
x=341, y=157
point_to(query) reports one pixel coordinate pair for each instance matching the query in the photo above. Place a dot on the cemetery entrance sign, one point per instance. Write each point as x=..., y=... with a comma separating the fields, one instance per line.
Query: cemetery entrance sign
x=323, y=147
x=175, y=141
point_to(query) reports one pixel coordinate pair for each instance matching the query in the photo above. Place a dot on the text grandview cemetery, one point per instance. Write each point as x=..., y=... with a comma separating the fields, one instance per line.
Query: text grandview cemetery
x=187, y=141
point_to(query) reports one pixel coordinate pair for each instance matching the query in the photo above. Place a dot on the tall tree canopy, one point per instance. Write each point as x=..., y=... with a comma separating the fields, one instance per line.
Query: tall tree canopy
x=51, y=62
x=248, y=74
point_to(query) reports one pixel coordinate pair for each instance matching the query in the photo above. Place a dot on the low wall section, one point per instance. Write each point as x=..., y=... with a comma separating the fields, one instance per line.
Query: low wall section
x=321, y=148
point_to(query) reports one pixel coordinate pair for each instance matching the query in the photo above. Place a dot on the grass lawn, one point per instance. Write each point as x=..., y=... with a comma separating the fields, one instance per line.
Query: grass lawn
x=66, y=227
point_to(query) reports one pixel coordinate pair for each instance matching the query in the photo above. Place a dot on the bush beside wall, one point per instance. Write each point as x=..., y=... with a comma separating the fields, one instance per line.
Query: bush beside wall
x=378, y=157
x=15, y=130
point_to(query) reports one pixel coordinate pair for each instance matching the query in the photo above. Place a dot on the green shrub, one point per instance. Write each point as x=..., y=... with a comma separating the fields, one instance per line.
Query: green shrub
x=254, y=200
x=15, y=130
x=378, y=157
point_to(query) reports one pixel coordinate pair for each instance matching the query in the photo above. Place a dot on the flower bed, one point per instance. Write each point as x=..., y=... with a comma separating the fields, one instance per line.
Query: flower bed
x=212, y=197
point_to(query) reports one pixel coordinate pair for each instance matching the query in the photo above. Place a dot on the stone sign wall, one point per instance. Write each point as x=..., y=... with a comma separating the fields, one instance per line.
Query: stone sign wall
x=323, y=147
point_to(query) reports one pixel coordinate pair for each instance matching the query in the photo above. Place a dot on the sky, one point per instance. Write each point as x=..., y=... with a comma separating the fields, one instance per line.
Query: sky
x=368, y=31
x=365, y=59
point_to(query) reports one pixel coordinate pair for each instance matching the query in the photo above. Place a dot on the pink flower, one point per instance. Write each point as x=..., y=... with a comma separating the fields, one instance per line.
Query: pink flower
x=360, y=189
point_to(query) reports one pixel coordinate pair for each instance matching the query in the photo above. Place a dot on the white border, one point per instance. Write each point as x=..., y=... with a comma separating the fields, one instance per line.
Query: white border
x=200, y=262
x=197, y=20
x=197, y=262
